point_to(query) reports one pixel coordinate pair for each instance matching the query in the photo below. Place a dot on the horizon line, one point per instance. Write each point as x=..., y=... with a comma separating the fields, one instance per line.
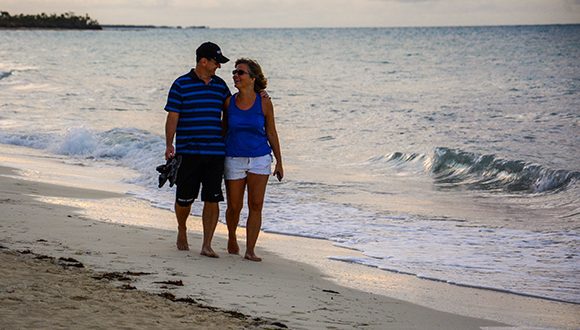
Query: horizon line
x=337, y=27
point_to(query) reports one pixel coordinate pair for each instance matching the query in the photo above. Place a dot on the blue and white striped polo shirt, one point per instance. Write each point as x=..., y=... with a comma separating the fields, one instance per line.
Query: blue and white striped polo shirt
x=199, y=129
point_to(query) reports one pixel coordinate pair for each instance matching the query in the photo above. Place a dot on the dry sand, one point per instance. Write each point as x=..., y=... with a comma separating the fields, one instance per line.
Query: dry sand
x=285, y=289
x=40, y=292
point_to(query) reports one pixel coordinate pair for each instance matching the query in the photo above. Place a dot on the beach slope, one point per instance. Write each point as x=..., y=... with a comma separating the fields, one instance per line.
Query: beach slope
x=278, y=290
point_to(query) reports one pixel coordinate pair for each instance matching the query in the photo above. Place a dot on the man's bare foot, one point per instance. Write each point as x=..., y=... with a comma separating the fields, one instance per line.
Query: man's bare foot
x=252, y=257
x=182, y=240
x=208, y=252
x=233, y=247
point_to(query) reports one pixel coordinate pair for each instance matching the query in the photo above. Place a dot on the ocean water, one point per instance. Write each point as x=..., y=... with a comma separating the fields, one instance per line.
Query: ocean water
x=448, y=153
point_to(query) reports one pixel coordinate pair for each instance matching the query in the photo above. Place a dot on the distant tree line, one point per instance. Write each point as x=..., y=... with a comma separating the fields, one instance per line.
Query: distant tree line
x=43, y=21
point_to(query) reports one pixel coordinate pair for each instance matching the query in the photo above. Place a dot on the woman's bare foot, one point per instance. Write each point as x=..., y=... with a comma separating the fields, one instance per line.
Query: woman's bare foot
x=233, y=247
x=182, y=240
x=252, y=257
x=208, y=252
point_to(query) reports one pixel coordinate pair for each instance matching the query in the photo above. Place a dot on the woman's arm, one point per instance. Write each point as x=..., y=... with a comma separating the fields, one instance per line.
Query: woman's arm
x=272, y=135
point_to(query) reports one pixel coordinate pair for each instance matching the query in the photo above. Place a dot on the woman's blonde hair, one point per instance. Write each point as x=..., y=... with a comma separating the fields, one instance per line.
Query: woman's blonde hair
x=255, y=72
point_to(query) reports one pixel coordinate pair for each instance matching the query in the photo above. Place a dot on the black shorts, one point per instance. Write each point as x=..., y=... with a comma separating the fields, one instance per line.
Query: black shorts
x=200, y=170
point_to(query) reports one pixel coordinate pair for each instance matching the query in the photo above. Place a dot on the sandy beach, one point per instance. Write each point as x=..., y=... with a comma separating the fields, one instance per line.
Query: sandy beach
x=132, y=276
x=41, y=292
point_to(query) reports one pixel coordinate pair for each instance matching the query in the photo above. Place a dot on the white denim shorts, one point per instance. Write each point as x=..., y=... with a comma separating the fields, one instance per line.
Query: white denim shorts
x=238, y=167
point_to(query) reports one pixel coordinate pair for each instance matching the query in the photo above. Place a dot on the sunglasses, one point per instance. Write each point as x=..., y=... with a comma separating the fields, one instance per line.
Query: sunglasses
x=239, y=72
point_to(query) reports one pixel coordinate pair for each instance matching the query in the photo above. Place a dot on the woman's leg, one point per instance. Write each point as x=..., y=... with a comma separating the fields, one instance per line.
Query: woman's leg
x=256, y=191
x=235, y=199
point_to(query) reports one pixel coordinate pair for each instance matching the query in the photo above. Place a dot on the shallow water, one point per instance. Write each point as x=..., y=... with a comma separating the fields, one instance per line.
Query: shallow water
x=449, y=153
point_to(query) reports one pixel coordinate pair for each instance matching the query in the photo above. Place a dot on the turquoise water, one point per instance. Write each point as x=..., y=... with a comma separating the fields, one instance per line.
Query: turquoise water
x=447, y=153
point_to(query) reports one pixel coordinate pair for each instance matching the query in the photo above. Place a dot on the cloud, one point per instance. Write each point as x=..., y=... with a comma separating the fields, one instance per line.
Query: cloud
x=409, y=1
x=306, y=13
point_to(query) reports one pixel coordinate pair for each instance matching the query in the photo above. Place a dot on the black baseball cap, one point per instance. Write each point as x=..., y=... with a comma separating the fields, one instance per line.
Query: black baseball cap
x=211, y=51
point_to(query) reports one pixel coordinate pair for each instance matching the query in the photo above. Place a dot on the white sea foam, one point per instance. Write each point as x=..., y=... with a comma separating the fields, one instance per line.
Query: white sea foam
x=77, y=142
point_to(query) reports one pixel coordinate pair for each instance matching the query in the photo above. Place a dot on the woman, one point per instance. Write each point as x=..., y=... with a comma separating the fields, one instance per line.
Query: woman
x=251, y=137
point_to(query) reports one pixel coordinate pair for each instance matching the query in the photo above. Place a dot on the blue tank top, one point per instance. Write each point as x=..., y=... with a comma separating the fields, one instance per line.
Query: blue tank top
x=246, y=134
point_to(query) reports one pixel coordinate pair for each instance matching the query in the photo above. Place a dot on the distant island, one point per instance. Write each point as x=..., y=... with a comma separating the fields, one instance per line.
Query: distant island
x=69, y=21
x=43, y=21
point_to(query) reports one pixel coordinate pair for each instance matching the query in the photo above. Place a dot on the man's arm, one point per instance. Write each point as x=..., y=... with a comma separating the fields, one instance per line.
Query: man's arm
x=225, y=116
x=170, y=129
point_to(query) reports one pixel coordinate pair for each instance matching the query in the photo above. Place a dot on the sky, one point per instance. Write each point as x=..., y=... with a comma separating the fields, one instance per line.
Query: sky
x=309, y=13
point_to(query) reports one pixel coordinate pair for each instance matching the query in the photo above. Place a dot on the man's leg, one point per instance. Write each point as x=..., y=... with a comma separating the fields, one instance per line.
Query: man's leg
x=182, y=212
x=209, y=218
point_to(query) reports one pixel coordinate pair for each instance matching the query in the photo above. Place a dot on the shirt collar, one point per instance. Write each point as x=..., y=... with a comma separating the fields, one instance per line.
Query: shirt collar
x=195, y=77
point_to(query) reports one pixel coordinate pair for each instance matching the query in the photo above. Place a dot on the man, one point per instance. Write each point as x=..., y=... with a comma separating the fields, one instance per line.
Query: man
x=194, y=108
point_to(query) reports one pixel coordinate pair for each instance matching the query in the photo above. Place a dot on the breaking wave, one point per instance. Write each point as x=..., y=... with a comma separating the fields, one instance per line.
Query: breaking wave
x=137, y=149
x=453, y=168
